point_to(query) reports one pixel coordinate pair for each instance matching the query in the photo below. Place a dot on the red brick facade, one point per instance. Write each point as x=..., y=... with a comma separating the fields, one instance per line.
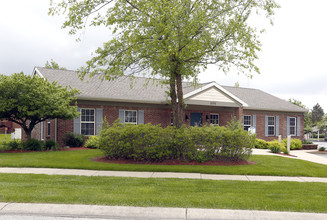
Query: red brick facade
x=161, y=114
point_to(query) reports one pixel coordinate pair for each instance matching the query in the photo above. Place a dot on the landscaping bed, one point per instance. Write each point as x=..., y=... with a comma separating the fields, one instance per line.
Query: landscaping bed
x=309, y=146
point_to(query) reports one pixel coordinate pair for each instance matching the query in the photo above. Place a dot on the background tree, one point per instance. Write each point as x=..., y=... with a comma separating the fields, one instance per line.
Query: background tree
x=170, y=39
x=307, y=115
x=53, y=65
x=28, y=100
x=317, y=113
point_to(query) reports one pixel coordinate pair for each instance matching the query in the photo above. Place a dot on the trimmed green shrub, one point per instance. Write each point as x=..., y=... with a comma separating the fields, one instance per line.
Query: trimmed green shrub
x=51, y=145
x=153, y=143
x=322, y=149
x=32, y=145
x=92, y=142
x=307, y=142
x=276, y=147
x=261, y=144
x=12, y=145
x=295, y=143
x=73, y=140
x=314, y=135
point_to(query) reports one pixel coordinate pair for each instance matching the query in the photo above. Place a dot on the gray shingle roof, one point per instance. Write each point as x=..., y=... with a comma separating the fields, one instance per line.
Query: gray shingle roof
x=123, y=89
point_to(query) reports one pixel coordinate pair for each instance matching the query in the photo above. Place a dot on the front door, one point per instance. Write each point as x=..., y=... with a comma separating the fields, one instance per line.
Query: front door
x=196, y=119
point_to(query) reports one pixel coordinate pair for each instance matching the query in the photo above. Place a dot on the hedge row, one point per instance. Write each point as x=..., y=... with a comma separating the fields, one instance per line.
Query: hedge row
x=153, y=143
x=280, y=147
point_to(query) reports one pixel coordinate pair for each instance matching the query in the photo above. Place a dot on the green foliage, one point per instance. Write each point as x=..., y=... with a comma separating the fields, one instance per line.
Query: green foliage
x=92, y=142
x=314, y=135
x=32, y=145
x=171, y=39
x=322, y=149
x=317, y=113
x=153, y=143
x=276, y=147
x=12, y=145
x=73, y=140
x=261, y=144
x=307, y=142
x=29, y=100
x=51, y=145
x=296, y=144
x=53, y=65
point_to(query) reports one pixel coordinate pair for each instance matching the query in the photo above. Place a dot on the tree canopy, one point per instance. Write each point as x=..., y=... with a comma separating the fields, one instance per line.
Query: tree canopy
x=317, y=113
x=29, y=100
x=53, y=65
x=172, y=39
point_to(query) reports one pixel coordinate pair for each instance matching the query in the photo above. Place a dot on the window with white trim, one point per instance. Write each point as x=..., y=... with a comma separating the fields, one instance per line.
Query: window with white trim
x=271, y=125
x=87, y=121
x=214, y=119
x=42, y=130
x=48, y=128
x=292, y=126
x=246, y=122
x=130, y=116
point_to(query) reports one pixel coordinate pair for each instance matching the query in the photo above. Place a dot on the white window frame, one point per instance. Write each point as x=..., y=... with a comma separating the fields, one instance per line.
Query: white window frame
x=247, y=125
x=42, y=131
x=133, y=123
x=87, y=122
x=214, y=119
x=294, y=134
x=274, y=126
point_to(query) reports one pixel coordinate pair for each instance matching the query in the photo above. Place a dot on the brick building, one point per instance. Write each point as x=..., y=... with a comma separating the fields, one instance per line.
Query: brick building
x=136, y=103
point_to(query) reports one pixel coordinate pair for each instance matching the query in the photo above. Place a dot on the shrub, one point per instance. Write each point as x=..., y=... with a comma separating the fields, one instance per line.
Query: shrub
x=261, y=144
x=314, y=135
x=73, y=140
x=322, y=149
x=276, y=147
x=32, y=145
x=306, y=142
x=92, y=142
x=295, y=143
x=154, y=143
x=12, y=145
x=51, y=145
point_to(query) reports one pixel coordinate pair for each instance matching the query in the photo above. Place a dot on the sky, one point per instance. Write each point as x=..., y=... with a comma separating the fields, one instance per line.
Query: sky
x=292, y=60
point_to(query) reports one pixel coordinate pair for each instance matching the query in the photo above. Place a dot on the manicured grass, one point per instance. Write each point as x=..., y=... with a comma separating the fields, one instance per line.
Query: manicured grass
x=281, y=196
x=266, y=165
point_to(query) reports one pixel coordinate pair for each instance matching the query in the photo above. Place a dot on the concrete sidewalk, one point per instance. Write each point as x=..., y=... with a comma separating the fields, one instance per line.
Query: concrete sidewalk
x=76, y=172
x=126, y=212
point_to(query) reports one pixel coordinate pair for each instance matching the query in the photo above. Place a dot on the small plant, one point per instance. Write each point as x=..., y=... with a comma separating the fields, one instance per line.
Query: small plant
x=276, y=147
x=12, y=145
x=51, y=145
x=33, y=145
x=92, y=142
x=306, y=142
x=322, y=149
x=73, y=140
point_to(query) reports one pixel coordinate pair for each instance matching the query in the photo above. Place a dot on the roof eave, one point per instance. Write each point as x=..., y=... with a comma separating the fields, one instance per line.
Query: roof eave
x=274, y=110
x=87, y=98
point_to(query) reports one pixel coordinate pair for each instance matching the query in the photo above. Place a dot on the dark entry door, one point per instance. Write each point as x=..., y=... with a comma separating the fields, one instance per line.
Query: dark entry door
x=196, y=119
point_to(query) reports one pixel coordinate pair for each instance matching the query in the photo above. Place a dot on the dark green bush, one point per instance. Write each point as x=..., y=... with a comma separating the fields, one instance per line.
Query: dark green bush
x=307, y=142
x=314, y=135
x=32, y=145
x=73, y=140
x=295, y=143
x=13, y=145
x=51, y=145
x=322, y=149
x=154, y=143
x=261, y=144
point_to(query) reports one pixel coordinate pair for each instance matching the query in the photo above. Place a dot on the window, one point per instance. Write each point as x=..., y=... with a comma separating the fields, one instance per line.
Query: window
x=130, y=117
x=49, y=127
x=214, y=119
x=246, y=122
x=271, y=126
x=42, y=130
x=87, y=121
x=171, y=119
x=292, y=126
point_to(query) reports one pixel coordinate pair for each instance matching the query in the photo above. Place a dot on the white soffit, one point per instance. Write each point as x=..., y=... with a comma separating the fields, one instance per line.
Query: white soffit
x=213, y=94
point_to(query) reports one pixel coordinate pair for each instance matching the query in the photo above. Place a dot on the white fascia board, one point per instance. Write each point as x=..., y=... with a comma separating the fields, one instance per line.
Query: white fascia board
x=274, y=110
x=214, y=84
x=36, y=71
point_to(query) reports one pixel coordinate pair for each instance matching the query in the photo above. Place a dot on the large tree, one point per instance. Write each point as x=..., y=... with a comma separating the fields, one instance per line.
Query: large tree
x=29, y=100
x=317, y=113
x=170, y=39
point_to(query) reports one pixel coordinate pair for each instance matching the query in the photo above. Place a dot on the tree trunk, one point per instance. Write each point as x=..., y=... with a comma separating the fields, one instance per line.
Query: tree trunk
x=173, y=98
x=180, y=103
x=28, y=133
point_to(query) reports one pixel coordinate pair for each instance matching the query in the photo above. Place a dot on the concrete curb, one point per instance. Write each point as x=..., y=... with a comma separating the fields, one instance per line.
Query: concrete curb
x=125, y=212
x=76, y=172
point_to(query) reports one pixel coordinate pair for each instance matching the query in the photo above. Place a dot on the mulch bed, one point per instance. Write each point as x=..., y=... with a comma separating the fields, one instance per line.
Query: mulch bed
x=289, y=155
x=30, y=151
x=177, y=162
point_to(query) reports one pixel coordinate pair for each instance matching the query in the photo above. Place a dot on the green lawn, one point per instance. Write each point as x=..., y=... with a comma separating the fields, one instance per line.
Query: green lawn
x=266, y=165
x=281, y=196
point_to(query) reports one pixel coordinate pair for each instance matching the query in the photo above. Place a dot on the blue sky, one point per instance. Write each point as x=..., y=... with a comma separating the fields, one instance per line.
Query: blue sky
x=292, y=61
